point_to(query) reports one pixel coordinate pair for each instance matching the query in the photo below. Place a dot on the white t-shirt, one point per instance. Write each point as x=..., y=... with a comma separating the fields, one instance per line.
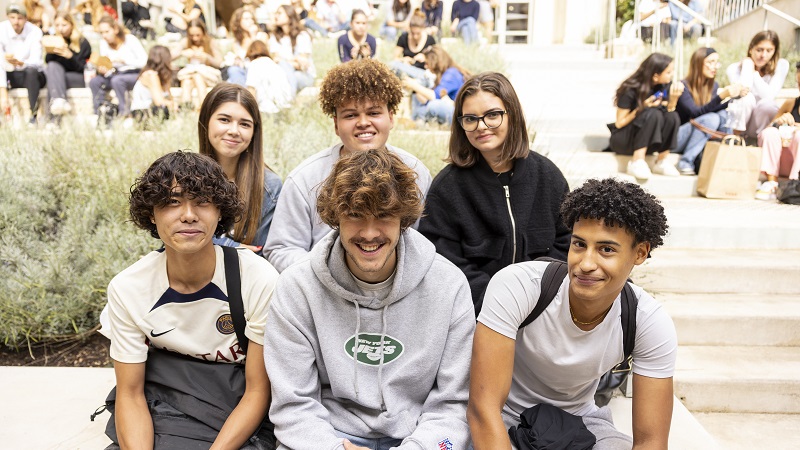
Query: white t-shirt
x=282, y=49
x=142, y=309
x=766, y=87
x=272, y=87
x=555, y=361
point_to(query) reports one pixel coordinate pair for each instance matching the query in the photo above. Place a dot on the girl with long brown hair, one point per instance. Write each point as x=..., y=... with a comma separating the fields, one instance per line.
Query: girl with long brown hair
x=290, y=47
x=65, y=64
x=151, y=91
x=703, y=102
x=230, y=131
x=763, y=71
x=202, y=64
x=245, y=30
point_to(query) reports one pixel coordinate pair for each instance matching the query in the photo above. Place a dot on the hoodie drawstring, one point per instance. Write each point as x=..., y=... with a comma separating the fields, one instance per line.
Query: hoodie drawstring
x=355, y=350
x=380, y=365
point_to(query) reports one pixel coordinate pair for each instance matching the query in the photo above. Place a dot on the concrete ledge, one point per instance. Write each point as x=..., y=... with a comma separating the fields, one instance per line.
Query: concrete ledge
x=742, y=431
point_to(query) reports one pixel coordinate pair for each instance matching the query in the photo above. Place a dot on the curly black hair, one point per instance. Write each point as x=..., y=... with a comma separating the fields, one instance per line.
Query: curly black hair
x=359, y=80
x=197, y=175
x=618, y=203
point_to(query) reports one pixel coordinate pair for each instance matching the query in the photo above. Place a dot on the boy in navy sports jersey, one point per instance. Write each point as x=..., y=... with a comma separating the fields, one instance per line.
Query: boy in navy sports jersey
x=171, y=328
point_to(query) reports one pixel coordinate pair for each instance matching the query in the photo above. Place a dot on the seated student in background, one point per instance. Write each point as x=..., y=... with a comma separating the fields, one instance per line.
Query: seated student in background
x=136, y=17
x=376, y=289
x=464, y=20
x=646, y=118
x=783, y=134
x=307, y=21
x=181, y=17
x=436, y=104
x=409, y=59
x=496, y=202
x=330, y=15
x=203, y=61
x=185, y=377
x=559, y=358
x=361, y=96
x=267, y=81
x=244, y=30
x=21, y=44
x=150, y=94
x=396, y=20
x=703, y=101
x=357, y=43
x=127, y=58
x=692, y=28
x=230, y=131
x=763, y=72
x=432, y=9
x=65, y=64
x=290, y=46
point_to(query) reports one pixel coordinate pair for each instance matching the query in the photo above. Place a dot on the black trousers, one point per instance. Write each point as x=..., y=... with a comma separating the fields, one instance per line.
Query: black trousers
x=654, y=128
x=31, y=79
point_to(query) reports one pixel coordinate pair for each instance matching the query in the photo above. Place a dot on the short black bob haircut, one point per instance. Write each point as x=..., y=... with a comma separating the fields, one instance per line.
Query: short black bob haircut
x=197, y=175
x=618, y=203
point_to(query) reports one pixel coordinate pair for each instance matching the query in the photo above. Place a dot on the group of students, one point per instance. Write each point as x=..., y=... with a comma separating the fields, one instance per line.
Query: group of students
x=655, y=115
x=356, y=331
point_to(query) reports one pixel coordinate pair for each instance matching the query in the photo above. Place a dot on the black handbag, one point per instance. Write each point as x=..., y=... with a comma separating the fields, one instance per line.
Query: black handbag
x=610, y=381
x=789, y=192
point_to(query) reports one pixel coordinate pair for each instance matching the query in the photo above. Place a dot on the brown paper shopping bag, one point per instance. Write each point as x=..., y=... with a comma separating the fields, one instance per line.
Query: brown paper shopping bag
x=729, y=169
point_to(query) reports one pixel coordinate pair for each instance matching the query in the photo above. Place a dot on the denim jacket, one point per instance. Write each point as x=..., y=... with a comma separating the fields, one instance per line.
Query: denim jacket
x=272, y=189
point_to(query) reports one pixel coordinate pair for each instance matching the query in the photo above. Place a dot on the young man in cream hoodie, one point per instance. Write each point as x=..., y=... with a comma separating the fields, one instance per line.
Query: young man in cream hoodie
x=368, y=341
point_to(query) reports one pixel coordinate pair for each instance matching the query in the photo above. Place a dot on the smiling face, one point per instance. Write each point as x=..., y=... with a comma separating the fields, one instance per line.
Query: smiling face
x=370, y=244
x=665, y=76
x=710, y=65
x=363, y=125
x=230, y=131
x=762, y=53
x=600, y=261
x=487, y=141
x=185, y=224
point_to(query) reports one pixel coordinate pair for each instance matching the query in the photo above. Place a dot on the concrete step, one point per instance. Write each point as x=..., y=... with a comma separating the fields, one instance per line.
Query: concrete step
x=720, y=271
x=707, y=223
x=749, y=431
x=734, y=319
x=739, y=379
x=686, y=433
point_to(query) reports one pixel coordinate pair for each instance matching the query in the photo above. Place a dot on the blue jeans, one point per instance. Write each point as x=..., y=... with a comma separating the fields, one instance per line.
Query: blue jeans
x=399, y=67
x=692, y=141
x=373, y=444
x=314, y=26
x=237, y=75
x=297, y=78
x=694, y=31
x=468, y=29
x=436, y=109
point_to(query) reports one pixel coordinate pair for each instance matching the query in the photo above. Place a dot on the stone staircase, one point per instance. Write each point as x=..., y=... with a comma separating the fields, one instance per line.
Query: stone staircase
x=728, y=273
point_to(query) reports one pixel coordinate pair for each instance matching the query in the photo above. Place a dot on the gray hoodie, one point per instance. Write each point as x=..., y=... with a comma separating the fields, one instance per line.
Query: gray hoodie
x=417, y=392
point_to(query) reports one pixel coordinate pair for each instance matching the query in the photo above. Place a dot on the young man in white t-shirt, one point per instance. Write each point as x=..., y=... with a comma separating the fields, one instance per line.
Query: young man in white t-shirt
x=559, y=357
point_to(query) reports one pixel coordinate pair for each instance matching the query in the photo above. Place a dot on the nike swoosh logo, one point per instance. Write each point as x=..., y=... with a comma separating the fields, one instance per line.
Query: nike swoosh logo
x=159, y=334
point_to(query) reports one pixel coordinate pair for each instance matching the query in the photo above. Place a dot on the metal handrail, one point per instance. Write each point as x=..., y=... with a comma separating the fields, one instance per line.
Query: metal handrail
x=689, y=11
x=726, y=11
x=769, y=9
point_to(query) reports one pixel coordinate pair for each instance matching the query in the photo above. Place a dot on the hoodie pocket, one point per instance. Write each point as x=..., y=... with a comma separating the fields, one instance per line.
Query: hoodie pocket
x=538, y=242
x=489, y=248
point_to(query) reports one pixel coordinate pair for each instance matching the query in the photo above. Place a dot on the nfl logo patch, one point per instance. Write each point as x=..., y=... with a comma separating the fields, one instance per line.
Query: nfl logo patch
x=445, y=444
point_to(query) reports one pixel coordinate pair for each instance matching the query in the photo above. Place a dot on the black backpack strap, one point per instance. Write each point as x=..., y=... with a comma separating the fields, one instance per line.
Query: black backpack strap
x=233, y=281
x=628, y=318
x=551, y=280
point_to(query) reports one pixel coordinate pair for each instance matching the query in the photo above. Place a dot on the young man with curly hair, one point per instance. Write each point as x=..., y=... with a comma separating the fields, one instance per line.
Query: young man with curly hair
x=177, y=356
x=361, y=96
x=558, y=358
x=368, y=341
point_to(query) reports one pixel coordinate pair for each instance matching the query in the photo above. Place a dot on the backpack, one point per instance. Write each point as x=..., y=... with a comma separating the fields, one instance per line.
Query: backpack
x=552, y=278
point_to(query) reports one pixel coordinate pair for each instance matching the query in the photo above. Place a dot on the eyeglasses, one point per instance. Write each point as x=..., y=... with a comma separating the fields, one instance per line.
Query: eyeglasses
x=492, y=119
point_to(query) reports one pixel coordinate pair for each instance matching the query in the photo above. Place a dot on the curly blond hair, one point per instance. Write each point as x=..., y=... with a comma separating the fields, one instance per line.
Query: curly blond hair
x=359, y=80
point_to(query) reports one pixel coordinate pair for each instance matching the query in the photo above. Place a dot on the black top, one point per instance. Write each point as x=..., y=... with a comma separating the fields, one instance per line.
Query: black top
x=402, y=42
x=467, y=218
x=688, y=109
x=78, y=60
x=795, y=112
x=629, y=99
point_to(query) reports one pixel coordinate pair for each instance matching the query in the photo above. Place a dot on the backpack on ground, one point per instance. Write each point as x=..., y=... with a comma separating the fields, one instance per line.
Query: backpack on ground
x=553, y=276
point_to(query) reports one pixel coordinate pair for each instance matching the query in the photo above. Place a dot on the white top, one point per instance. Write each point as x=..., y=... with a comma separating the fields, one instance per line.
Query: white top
x=659, y=13
x=766, y=87
x=143, y=308
x=26, y=46
x=555, y=361
x=282, y=49
x=296, y=226
x=273, y=90
x=140, y=97
x=128, y=56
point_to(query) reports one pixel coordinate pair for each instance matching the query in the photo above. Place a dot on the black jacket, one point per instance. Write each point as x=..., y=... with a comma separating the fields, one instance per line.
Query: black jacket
x=78, y=60
x=467, y=218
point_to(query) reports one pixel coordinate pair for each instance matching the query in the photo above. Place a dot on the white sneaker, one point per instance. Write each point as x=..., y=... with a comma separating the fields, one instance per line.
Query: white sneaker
x=59, y=106
x=639, y=169
x=666, y=169
x=767, y=191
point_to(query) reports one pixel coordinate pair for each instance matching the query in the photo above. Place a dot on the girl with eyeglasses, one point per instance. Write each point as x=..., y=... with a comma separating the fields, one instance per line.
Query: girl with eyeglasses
x=497, y=202
x=702, y=107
